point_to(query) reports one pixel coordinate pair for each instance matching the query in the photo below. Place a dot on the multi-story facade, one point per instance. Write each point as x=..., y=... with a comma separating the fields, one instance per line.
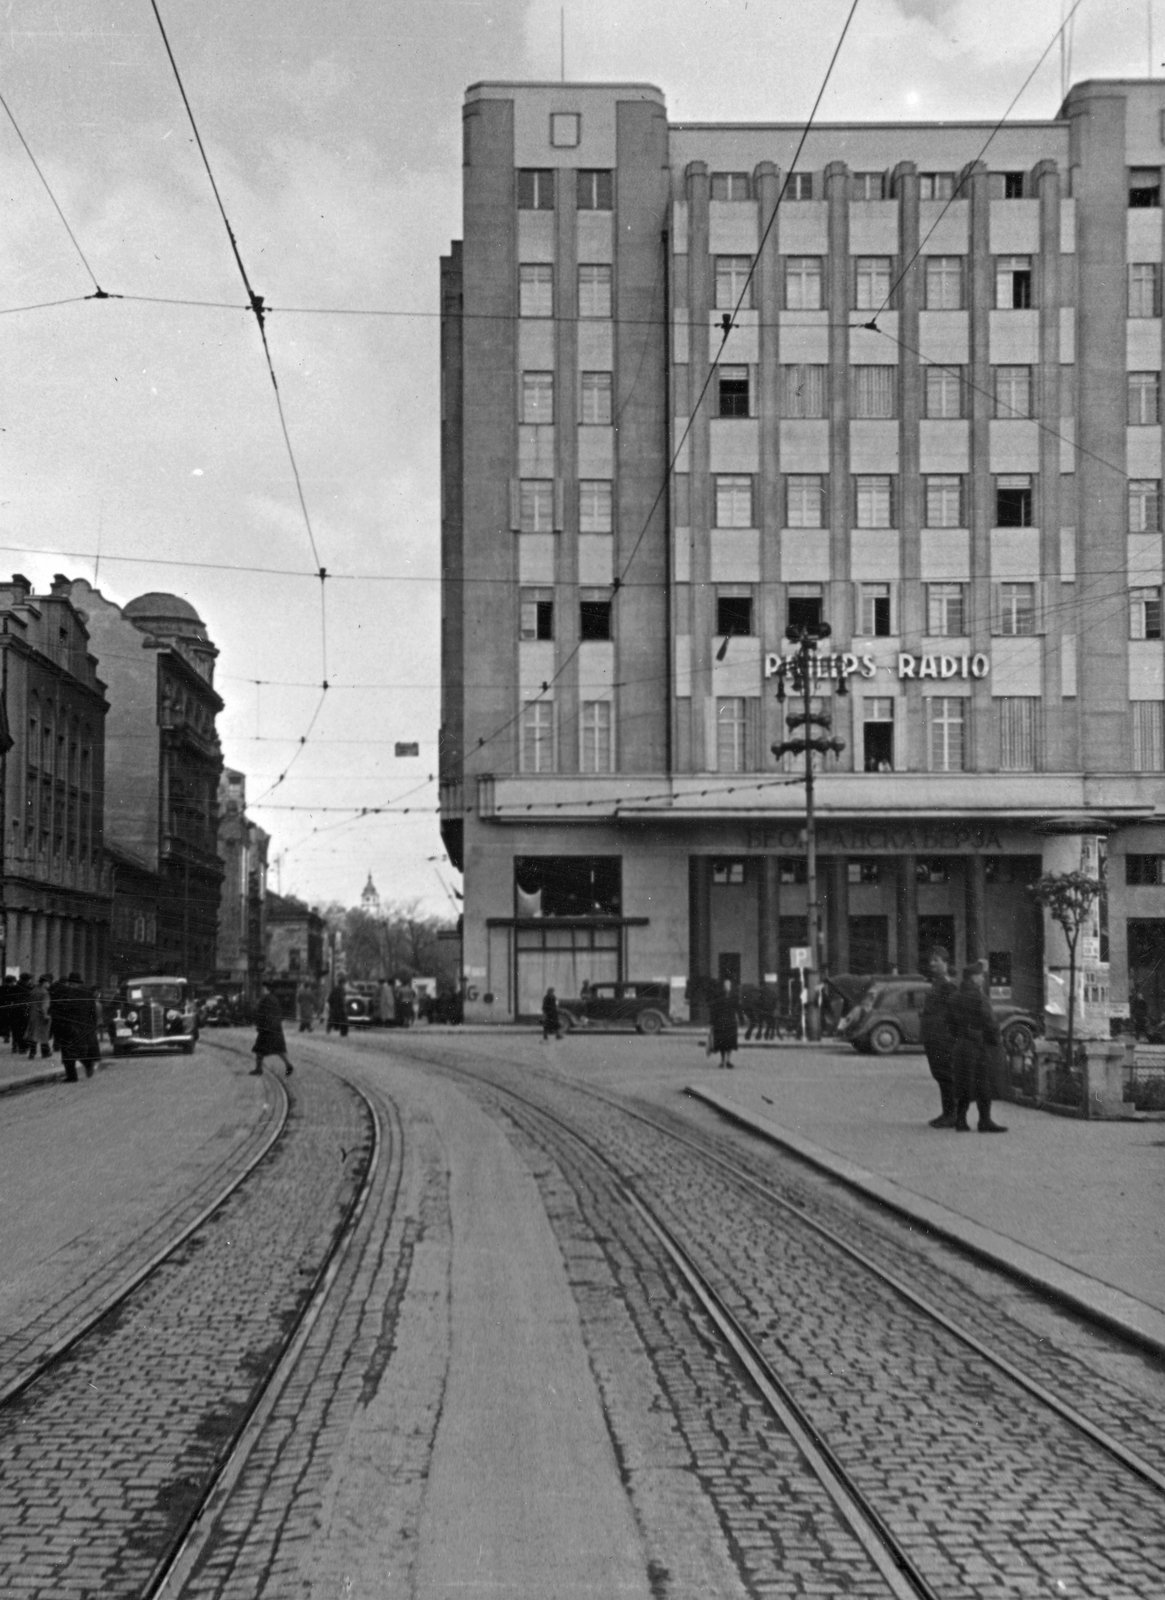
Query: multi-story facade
x=54, y=875
x=295, y=939
x=691, y=399
x=241, y=943
x=162, y=768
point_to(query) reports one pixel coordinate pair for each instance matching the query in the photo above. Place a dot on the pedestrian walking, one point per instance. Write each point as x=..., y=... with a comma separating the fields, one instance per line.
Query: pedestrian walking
x=975, y=1058
x=269, y=1040
x=305, y=1006
x=938, y=1038
x=722, y=1016
x=70, y=1015
x=551, y=1020
x=40, y=1025
x=385, y=1004
x=338, y=1009
x=7, y=1002
x=19, y=1021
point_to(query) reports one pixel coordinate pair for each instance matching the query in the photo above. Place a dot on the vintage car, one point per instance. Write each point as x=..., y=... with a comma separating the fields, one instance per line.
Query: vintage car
x=642, y=1006
x=148, y=1013
x=358, y=1007
x=889, y=1016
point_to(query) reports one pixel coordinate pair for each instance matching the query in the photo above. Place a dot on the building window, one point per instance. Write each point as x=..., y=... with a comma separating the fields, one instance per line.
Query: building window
x=805, y=500
x=594, y=291
x=1144, y=505
x=732, y=752
x=873, y=391
x=1142, y=871
x=1144, y=186
x=871, y=282
x=537, y=743
x=1018, y=733
x=731, y=186
x=1006, y=185
x=804, y=606
x=595, y=736
x=536, y=613
x=1144, y=399
x=878, y=733
x=874, y=501
x=946, y=715
x=1014, y=500
x=594, y=619
x=536, y=505
x=565, y=129
x=863, y=869
x=536, y=189
x=1013, y=283
x=596, y=398
x=1144, y=289
x=944, y=392
x=733, y=391
x=535, y=290
x=733, y=279
x=799, y=186
x=936, y=185
x=867, y=186
x=802, y=283
x=1013, y=391
x=944, y=283
x=594, y=190
x=595, y=505
x=1145, y=613
x=1148, y=735
x=803, y=390
x=733, y=500
x=874, y=611
x=1016, y=608
x=733, y=613
x=538, y=397
x=944, y=501
x=946, y=610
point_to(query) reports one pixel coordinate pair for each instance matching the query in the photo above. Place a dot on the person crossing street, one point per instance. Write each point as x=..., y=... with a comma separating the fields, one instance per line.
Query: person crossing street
x=269, y=1040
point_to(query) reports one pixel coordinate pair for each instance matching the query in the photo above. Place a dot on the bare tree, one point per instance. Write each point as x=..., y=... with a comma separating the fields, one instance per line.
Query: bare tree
x=1068, y=897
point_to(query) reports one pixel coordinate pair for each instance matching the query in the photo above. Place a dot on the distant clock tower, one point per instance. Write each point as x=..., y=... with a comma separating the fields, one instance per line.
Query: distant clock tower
x=370, y=900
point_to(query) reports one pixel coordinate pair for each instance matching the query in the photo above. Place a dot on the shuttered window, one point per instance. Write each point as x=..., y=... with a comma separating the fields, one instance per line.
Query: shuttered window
x=1018, y=733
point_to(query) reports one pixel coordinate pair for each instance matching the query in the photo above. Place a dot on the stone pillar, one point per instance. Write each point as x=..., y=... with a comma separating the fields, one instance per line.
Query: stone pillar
x=699, y=934
x=907, y=909
x=701, y=295
x=768, y=915
x=975, y=884
x=837, y=912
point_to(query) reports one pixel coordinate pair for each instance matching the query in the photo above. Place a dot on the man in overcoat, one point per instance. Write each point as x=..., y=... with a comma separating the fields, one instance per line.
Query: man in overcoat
x=938, y=1038
x=974, y=1059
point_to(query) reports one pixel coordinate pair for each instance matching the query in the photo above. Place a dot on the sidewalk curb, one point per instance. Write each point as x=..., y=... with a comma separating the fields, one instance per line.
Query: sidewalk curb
x=1111, y=1308
x=32, y=1080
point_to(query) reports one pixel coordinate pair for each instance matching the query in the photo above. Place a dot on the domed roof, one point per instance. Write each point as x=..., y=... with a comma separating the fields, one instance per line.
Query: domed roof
x=159, y=607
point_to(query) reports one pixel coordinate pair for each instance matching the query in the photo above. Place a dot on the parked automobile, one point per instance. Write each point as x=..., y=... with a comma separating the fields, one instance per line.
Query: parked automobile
x=359, y=1009
x=147, y=1013
x=642, y=1006
x=889, y=1015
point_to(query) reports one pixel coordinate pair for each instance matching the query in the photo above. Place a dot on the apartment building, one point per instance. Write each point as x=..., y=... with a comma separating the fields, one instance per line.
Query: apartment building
x=702, y=383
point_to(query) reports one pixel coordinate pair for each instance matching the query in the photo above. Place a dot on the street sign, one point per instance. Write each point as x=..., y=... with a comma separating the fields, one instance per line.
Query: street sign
x=800, y=956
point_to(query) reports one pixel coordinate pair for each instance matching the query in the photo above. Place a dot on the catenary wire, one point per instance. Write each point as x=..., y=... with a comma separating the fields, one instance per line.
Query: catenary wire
x=100, y=292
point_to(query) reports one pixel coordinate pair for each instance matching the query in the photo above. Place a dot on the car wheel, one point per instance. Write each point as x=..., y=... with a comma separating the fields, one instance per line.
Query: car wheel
x=1018, y=1040
x=649, y=1022
x=884, y=1039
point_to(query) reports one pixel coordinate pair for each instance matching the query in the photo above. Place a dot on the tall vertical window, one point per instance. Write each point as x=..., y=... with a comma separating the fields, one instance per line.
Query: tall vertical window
x=733, y=611
x=596, y=398
x=1013, y=283
x=944, y=283
x=1148, y=735
x=535, y=290
x=1014, y=500
x=946, y=717
x=536, y=189
x=594, y=615
x=871, y=281
x=873, y=391
x=1144, y=398
x=946, y=610
x=594, y=190
x=944, y=501
x=595, y=736
x=803, y=390
x=804, y=500
x=733, y=500
x=595, y=505
x=874, y=611
x=1145, y=289
x=1016, y=608
x=732, y=752
x=1144, y=186
x=878, y=733
x=594, y=291
x=1013, y=391
x=732, y=387
x=536, y=614
x=802, y=283
x=537, y=741
x=732, y=280
x=537, y=397
x=536, y=505
x=874, y=501
x=944, y=392
x=1145, y=613
x=1018, y=733
x=1144, y=505
x=804, y=606
x=731, y=186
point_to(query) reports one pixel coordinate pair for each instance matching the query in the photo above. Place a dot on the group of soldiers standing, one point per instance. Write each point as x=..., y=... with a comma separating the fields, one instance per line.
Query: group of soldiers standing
x=964, y=1050
x=41, y=1016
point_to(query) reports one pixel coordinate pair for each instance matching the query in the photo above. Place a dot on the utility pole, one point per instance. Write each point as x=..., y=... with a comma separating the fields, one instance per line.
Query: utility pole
x=802, y=672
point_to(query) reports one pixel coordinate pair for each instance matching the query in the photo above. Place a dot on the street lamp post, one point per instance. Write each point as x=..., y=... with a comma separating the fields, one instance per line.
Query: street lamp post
x=802, y=672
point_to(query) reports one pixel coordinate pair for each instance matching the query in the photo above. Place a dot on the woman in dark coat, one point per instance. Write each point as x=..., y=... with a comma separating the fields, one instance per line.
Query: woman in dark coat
x=269, y=1040
x=722, y=1015
x=975, y=1055
x=551, y=1021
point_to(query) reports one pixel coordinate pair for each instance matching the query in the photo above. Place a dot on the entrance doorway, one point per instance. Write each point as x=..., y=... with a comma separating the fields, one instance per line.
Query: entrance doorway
x=1147, y=970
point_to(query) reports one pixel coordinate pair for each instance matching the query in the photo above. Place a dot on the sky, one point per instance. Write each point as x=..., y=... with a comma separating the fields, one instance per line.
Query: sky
x=140, y=441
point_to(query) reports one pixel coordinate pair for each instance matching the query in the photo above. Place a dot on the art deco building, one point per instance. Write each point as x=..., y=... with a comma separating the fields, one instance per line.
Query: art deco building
x=691, y=397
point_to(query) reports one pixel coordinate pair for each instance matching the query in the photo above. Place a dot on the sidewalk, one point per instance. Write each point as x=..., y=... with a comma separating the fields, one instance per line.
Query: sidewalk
x=1074, y=1208
x=18, y=1072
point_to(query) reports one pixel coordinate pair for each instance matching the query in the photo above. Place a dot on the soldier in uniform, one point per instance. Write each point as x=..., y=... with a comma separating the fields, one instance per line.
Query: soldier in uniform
x=938, y=1037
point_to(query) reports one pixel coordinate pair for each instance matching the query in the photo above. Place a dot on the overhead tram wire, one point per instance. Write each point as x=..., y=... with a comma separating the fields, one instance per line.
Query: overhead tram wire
x=99, y=293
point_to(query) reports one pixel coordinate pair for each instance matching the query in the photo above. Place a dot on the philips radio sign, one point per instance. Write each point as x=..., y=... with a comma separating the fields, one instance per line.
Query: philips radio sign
x=827, y=667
